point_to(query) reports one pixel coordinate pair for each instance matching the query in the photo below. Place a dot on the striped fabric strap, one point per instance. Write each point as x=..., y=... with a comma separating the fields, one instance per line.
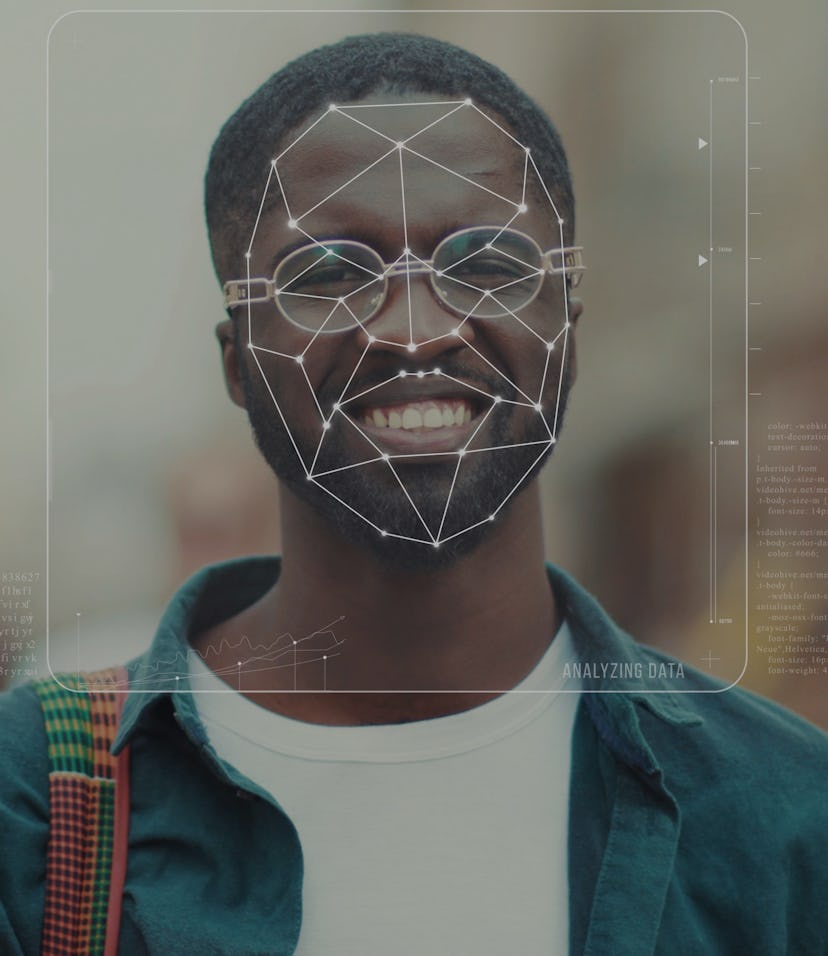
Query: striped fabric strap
x=89, y=811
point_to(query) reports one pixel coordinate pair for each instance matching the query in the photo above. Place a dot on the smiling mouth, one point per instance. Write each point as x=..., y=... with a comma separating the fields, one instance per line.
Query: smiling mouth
x=419, y=416
x=421, y=425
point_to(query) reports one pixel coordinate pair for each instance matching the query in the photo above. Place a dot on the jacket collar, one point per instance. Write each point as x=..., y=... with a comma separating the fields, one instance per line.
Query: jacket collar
x=611, y=693
x=622, y=676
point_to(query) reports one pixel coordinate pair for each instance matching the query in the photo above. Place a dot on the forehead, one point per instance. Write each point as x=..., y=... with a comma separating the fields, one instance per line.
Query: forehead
x=411, y=160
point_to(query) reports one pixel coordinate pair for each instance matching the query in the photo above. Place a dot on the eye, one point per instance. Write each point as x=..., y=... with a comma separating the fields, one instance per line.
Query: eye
x=489, y=269
x=330, y=278
x=332, y=271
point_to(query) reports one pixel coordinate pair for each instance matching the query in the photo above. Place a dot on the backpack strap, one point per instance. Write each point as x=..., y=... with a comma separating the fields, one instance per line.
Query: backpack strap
x=88, y=813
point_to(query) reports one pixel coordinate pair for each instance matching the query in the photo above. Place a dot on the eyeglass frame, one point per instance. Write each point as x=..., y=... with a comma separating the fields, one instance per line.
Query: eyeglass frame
x=571, y=267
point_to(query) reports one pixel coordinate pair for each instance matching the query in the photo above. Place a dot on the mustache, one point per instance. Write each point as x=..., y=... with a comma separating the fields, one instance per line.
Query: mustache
x=485, y=379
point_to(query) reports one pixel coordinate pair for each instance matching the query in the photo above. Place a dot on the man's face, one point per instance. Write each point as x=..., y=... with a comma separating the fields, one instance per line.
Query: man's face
x=411, y=428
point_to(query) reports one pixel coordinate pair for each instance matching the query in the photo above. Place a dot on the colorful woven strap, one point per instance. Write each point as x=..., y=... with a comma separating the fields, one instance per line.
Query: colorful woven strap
x=89, y=807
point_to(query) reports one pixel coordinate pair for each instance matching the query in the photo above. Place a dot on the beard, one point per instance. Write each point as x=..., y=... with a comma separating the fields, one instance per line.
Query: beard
x=360, y=502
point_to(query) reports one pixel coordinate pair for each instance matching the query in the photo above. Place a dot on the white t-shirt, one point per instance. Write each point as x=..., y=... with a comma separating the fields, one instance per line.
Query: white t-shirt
x=443, y=836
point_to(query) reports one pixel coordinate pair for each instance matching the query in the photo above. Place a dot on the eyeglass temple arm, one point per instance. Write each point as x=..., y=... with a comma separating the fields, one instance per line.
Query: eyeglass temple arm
x=571, y=263
x=244, y=292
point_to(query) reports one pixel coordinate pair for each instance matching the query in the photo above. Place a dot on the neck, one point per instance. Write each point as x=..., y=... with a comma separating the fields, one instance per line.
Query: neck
x=439, y=641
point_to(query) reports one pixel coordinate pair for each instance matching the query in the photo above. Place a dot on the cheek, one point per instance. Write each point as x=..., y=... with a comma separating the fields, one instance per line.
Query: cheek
x=528, y=348
x=281, y=379
x=268, y=329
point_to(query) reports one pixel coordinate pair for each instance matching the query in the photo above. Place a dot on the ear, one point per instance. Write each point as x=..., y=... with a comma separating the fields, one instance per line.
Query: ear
x=230, y=360
x=574, y=309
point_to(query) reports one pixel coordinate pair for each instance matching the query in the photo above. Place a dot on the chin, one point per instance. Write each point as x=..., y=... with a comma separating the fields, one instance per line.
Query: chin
x=359, y=503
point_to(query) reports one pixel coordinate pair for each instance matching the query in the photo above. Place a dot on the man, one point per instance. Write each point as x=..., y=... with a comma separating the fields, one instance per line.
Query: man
x=392, y=223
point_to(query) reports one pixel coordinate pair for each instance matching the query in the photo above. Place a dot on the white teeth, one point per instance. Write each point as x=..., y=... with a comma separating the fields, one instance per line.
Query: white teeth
x=433, y=418
x=412, y=418
x=424, y=415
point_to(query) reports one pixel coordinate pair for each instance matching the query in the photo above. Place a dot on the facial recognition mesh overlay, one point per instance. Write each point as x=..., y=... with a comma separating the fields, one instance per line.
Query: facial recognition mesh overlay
x=408, y=404
x=659, y=158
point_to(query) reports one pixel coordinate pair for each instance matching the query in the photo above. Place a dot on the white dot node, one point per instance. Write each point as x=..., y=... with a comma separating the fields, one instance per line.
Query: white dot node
x=406, y=251
x=247, y=255
x=402, y=373
x=438, y=273
x=324, y=657
x=497, y=399
x=239, y=662
x=250, y=346
x=372, y=339
x=461, y=452
x=491, y=517
x=539, y=407
x=411, y=347
x=467, y=101
x=299, y=359
x=456, y=331
x=294, y=644
x=553, y=441
x=326, y=425
x=400, y=145
x=437, y=371
x=341, y=301
x=550, y=346
x=523, y=207
x=292, y=224
x=435, y=544
x=331, y=107
x=488, y=245
x=567, y=325
x=527, y=150
x=486, y=293
x=336, y=406
x=560, y=221
x=384, y=534
x=386, y=457
x=421, y=374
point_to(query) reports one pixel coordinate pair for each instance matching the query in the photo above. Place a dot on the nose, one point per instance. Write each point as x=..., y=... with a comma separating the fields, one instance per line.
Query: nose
x=413, y=320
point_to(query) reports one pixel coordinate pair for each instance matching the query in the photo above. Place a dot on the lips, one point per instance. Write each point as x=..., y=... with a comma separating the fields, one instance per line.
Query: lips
x=419, y=414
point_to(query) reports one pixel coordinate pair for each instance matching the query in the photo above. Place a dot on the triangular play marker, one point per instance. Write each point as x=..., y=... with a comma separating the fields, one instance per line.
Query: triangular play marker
x=702, y=260
x=702, y=143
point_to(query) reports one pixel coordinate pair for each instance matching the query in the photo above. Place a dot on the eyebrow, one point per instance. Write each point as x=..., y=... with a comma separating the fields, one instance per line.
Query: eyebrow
x=350, y=234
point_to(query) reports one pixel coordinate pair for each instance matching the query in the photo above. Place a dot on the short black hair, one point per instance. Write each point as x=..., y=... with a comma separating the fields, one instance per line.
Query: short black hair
x=347, y=71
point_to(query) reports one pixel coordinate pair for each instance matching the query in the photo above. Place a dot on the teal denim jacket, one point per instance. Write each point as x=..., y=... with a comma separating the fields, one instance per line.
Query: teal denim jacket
x=698, y=821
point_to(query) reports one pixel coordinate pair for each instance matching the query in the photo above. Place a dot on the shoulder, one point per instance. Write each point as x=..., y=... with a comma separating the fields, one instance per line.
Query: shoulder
x=741, y=725
x=24, y=819
x=24, y=762
x=731, y=734
x=748, y=777
x=748, y=770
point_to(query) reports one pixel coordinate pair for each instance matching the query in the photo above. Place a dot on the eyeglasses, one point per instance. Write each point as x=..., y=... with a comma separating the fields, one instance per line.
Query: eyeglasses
x=336, y=284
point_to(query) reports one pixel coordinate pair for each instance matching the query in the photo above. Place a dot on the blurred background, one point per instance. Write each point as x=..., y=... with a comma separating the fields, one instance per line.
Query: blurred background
x=153, y=472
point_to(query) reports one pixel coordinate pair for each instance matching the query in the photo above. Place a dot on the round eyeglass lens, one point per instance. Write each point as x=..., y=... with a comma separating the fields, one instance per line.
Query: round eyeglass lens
x=330, y=286
x=487, y=272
